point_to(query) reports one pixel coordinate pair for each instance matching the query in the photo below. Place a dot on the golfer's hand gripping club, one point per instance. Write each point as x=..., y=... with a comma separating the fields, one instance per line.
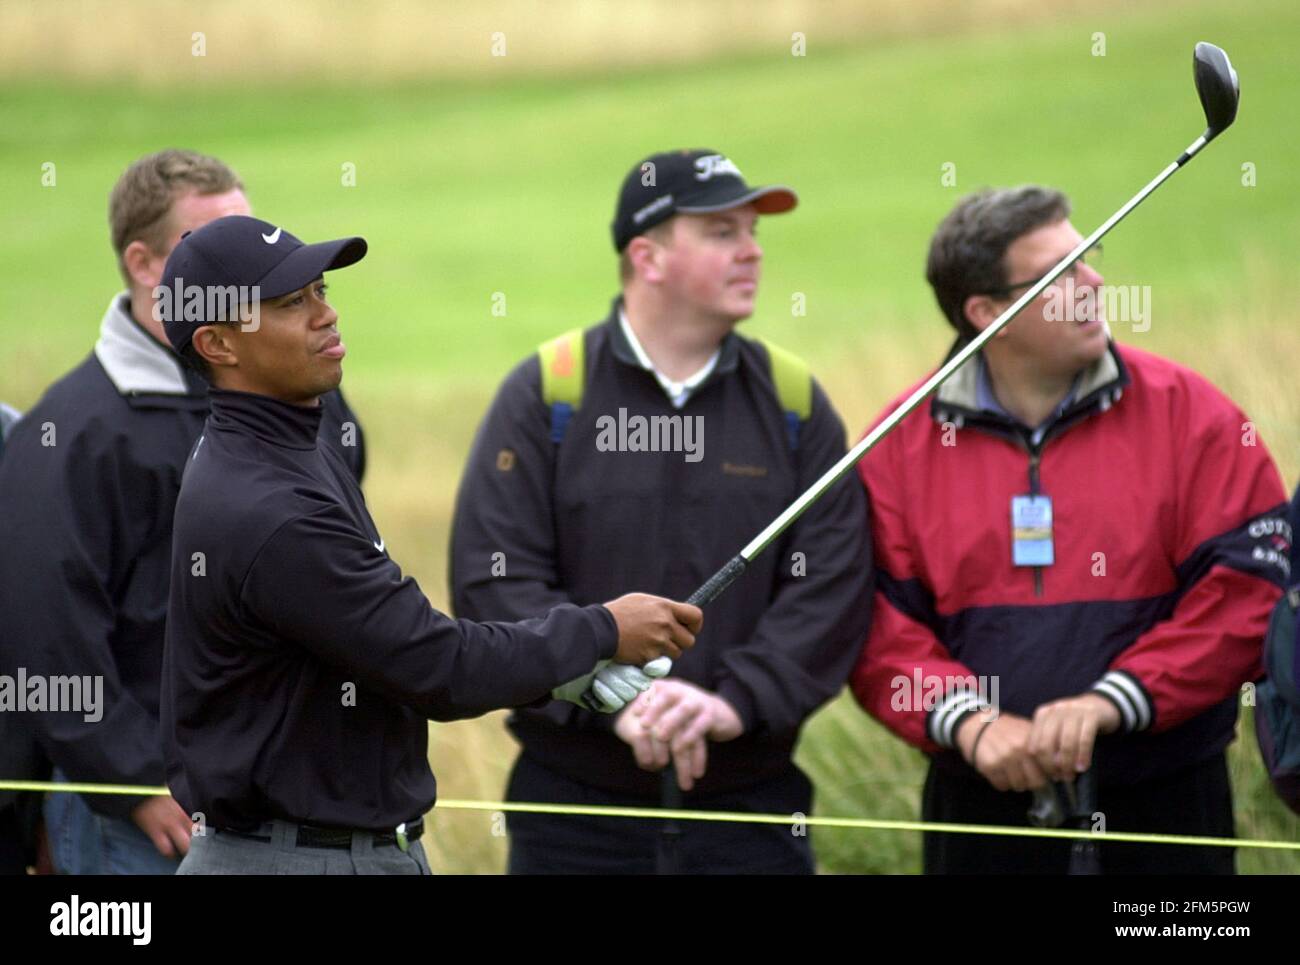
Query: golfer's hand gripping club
x=711, y=590
x=651, y=630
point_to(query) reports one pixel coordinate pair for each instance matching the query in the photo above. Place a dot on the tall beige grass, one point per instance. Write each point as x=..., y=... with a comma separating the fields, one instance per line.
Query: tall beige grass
x=154, y=42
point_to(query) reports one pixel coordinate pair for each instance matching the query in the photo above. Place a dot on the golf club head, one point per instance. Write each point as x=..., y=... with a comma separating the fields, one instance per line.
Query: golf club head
x=1216, y=83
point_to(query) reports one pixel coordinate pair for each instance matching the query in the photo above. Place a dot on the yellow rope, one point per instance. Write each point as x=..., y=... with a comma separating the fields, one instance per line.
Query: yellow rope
x=451, y=804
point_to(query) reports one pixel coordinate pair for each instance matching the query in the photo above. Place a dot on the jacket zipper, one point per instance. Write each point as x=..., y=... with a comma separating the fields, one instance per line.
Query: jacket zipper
x=1035, y=454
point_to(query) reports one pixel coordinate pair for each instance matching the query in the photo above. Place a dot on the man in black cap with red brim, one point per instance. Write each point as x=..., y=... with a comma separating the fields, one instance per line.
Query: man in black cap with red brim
x=300, y=666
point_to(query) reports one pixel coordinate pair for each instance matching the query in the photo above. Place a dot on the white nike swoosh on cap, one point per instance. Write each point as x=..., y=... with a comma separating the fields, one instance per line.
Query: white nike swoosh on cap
x=273, y=237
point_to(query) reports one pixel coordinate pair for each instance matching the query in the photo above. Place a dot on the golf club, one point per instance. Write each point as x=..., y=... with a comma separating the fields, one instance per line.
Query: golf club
x=1217, y=85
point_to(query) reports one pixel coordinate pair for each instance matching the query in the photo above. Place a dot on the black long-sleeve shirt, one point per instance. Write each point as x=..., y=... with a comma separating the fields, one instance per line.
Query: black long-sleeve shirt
x=300, y=664
x=88, y=484
x=579, y=523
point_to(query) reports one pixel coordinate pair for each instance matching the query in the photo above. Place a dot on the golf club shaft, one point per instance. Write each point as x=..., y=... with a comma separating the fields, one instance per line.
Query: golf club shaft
x=668, y=861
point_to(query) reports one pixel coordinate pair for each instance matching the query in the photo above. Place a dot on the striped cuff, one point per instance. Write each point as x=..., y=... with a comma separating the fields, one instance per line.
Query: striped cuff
x=1129, y=697
x=942, y=722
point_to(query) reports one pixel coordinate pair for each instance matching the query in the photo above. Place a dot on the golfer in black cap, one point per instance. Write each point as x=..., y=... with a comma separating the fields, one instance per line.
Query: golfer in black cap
x=641, y=452
x=300, y=665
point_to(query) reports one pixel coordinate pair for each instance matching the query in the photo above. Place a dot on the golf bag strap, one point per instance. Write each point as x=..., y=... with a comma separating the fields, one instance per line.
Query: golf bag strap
x=562, y=378
x=563, y=372
x=793, y=384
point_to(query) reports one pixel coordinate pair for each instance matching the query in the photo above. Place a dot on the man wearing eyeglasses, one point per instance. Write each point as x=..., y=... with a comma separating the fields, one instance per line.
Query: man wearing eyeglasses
x=1078, y=545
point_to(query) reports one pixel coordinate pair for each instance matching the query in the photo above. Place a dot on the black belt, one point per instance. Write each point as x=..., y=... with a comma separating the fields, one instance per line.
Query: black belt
x=311, y=836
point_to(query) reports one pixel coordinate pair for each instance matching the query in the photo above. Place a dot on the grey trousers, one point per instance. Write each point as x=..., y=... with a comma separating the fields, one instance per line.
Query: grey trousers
x=221, y=853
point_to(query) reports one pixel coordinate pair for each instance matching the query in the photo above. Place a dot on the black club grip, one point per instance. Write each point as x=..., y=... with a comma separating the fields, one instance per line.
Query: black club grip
x=718, y=582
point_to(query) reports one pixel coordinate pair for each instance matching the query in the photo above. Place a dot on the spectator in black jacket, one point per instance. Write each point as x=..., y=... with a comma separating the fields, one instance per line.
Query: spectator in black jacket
x=300, y=665
x=570, y=496
x=20, y=756
x=88, y=487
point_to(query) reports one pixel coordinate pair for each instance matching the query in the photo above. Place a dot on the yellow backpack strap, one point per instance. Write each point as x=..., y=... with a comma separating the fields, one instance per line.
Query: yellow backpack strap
x=563, y=373
x=793, y=384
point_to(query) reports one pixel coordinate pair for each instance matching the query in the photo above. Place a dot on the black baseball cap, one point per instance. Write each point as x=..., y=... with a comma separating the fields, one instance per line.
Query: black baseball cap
x=246, y=253
x=687, y=182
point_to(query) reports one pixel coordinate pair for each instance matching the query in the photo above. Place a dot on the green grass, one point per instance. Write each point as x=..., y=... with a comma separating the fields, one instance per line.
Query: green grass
x=470, y=188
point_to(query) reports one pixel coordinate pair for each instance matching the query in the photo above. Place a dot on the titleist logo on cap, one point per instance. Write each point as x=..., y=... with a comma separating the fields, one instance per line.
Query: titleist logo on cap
x=714, y=164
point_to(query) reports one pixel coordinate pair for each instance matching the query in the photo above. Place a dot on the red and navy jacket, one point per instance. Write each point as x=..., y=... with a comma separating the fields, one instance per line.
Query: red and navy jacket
x=1171, y=545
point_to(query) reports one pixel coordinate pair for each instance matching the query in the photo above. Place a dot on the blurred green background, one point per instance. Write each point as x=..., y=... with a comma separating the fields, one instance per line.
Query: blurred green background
x=477, y=175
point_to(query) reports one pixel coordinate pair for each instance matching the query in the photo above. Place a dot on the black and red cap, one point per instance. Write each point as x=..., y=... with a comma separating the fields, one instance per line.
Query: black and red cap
x=687, y=182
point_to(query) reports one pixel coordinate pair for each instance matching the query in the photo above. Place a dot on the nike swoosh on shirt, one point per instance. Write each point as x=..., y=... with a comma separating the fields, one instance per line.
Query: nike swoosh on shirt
x=379, y=546
x=273, y=237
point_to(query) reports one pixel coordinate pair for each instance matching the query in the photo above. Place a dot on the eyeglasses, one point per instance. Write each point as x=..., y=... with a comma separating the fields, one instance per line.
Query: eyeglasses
x=1091, y=258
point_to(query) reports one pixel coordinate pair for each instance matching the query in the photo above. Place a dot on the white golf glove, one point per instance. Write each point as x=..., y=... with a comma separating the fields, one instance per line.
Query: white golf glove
x=615, y=685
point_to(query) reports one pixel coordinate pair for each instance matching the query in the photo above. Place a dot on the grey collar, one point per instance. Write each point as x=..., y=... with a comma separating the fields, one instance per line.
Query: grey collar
x=132, y=358
x=962, y=389
x=8, y=416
